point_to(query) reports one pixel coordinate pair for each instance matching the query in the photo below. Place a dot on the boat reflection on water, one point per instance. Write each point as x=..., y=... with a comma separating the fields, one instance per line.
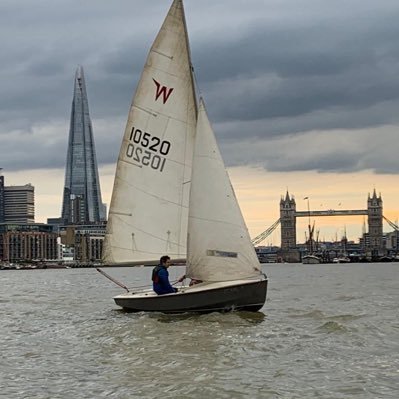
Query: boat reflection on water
x=236, y=318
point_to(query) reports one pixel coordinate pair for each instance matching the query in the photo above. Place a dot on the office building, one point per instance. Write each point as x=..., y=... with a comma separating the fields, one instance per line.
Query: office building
x=18, y=203
x=82, y=202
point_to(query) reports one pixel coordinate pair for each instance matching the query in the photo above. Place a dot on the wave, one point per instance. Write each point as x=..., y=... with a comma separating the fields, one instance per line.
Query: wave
x=332, y=327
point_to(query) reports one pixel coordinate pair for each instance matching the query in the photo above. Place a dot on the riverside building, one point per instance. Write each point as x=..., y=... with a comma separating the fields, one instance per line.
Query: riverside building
x=1, y=198
x=27, y=242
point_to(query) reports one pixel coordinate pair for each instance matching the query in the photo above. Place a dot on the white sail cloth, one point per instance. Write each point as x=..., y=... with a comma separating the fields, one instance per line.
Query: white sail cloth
x=149, y=206
x=219, y=246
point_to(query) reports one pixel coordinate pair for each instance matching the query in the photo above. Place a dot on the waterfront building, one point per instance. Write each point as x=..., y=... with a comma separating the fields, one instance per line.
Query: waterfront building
x=82, y=202
x=268, y=254
x=392, y=242
x=27, y=242
x=66, y=253
x=1, y=198
x=86, y=241
x=56, y=223
x=88, y=247
x=18, y=204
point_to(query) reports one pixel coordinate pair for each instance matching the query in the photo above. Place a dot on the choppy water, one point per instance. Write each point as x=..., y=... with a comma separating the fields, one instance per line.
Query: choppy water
x=326, y=331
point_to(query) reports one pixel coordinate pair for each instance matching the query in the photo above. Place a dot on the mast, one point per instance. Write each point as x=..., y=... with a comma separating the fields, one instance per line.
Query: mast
x=310, y=229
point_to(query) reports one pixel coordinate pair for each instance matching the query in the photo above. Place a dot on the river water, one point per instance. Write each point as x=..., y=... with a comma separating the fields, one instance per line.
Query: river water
x=326, y=331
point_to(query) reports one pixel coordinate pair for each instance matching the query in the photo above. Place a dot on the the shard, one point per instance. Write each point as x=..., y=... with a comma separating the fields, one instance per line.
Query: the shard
x=82, y=202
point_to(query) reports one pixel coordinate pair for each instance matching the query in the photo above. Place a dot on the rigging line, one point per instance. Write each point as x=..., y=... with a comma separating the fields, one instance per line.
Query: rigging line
x=196, y=81
x=140, y=287
x=177, y=281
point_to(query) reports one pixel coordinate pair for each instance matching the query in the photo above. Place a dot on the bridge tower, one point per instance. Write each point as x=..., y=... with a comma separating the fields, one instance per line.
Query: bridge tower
x=374, y=210
x=288, y=222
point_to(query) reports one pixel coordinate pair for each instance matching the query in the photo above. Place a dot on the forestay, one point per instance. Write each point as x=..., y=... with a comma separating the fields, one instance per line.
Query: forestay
x=149, y=206
x=219, y=246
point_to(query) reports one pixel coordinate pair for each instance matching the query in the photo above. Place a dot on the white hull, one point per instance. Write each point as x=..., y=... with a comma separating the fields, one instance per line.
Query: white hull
x=341, y=260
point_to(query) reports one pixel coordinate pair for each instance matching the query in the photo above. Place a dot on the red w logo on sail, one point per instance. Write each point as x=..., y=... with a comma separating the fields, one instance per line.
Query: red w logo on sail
x=162, y=91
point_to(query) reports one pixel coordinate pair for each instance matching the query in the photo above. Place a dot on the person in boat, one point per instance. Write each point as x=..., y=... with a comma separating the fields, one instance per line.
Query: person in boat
x=160, y=277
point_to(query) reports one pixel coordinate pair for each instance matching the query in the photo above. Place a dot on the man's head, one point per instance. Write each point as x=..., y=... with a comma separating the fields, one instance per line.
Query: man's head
x=165, y=261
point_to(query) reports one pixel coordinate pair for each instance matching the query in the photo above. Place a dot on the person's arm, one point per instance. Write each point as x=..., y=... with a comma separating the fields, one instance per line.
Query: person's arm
x=164, y=280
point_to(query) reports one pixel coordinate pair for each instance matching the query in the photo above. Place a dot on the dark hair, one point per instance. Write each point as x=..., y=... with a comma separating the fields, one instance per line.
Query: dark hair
x=164, y=259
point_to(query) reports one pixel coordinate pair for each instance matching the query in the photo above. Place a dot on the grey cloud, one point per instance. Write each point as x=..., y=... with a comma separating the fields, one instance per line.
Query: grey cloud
x=271, y=72
x=341, y=151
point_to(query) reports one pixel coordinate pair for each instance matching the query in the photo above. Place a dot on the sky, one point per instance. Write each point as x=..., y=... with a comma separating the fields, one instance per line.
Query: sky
x=303, y=96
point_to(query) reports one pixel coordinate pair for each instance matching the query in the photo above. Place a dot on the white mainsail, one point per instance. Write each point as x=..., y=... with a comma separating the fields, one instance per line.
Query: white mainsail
x=149, y=206
x=219, y=246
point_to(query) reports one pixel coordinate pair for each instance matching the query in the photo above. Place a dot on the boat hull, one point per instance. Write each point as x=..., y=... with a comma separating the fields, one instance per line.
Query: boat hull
x=249, y=296
x=311, y=260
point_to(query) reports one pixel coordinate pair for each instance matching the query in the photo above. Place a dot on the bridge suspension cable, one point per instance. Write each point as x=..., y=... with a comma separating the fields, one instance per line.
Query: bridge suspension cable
x=392, y=224
x=266, y=233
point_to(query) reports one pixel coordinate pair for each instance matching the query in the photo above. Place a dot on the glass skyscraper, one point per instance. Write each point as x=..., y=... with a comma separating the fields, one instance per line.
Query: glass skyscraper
x=82, y=195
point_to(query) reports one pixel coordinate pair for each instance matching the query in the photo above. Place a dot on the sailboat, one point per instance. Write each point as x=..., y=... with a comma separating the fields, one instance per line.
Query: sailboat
x=343, y=257
x=183, y=204
x=311, y=258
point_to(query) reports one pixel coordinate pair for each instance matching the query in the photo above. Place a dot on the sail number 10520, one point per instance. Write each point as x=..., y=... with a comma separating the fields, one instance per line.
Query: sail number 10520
x=143, y=148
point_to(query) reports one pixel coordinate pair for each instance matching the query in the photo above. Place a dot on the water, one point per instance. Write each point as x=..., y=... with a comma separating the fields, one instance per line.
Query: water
x=326, y=331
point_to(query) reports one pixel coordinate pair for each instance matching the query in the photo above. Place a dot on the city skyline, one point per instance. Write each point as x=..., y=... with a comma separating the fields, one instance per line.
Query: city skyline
x=260, y=206
x=303, y=96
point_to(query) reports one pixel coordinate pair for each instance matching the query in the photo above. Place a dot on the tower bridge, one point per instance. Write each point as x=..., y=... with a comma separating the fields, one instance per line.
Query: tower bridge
x=332, y=212
x=289, y=214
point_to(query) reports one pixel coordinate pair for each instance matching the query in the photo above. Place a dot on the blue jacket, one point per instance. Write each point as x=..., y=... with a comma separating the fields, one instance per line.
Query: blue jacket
x=160, y=281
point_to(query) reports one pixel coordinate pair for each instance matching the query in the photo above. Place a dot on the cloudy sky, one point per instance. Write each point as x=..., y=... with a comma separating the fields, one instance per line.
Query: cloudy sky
x=303, y=95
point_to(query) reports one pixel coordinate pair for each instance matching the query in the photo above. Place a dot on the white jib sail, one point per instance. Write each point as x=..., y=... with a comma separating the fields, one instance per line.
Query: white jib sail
x=219, y=246
x=149, y=206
